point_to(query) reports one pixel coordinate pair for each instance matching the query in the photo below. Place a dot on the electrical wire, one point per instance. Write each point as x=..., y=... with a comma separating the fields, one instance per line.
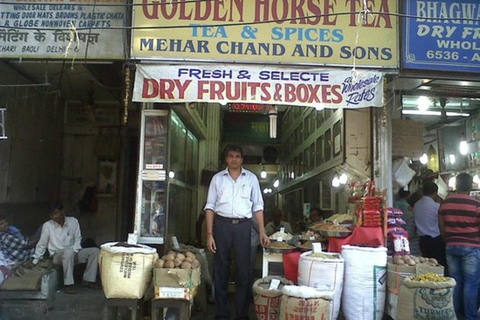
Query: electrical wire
x=400, y=15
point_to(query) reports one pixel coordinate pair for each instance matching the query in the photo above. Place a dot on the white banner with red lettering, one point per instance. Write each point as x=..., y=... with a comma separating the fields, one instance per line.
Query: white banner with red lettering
x=251, y=84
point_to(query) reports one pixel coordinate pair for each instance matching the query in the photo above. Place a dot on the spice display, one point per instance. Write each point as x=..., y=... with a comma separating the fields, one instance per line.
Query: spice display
x=280, y=245
x=430, y=277
x=283, y=235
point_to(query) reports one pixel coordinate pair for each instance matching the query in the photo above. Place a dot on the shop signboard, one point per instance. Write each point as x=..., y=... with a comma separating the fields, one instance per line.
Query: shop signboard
x=313, y=32
x=321, y=88
x=442, y=35
x=62, y=29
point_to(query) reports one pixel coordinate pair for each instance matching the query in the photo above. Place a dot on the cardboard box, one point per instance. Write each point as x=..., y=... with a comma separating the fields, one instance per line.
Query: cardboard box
x=396, y=273
x=176, y=283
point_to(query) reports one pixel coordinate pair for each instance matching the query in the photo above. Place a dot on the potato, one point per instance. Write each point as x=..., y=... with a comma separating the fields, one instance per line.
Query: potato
x=177, y=262
x=195, y=264
x=159, y=263
x=432, y=260
x=164, y=258
x=400, y=262
x=171, y=256
x=169, y=264
x=180, y=256
x=189, y=259
x=171, y=252
x=190, y=254
x=186, y=265
x=396, y=259
x=411, y=262
x=416, y=259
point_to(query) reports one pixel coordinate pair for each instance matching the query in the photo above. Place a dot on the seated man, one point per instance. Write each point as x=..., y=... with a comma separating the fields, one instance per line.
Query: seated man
x=15, y=247
x=277, y=223
x=61, y=235
x=316, y=215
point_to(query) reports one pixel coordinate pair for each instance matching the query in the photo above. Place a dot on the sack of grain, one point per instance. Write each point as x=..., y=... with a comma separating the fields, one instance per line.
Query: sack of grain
x=365, y=282
x=267, y=301
x=126, y=270
x=324, y=272
x=301, y=302
x=429, y=299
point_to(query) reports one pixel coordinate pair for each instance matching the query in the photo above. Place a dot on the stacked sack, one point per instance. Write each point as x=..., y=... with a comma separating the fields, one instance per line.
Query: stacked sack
x=397, y=237
x=324, y=272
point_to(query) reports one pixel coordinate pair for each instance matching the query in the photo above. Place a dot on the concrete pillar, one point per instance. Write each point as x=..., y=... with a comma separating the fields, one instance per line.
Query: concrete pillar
x=382, y=145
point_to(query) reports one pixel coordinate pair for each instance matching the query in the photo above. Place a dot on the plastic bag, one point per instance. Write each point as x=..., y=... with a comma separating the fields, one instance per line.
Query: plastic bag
x=402, y=173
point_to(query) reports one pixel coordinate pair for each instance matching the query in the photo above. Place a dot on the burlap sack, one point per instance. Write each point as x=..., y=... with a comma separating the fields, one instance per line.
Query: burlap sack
x=267, y=302
x=426, y=300
x=126, y=272
x=301, y=302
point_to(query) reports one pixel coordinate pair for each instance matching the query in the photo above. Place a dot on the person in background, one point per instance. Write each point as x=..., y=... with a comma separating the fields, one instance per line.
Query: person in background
x=403, y=205
x=62, y=237
x=425, y=213
x=15, y=247
x=460, y=227
x=277, y=223
x=316, y=215
x=234, y=196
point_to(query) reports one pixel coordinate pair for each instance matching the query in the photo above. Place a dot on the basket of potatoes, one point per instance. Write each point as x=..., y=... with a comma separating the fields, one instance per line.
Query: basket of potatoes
x=172, y=259
x=177, y=275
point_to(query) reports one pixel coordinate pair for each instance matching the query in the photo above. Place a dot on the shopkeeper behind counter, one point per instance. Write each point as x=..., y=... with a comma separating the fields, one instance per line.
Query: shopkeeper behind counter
x=277, y=223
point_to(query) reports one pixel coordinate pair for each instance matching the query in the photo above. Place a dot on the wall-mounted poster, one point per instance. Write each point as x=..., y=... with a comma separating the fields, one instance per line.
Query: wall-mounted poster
x=107, y=181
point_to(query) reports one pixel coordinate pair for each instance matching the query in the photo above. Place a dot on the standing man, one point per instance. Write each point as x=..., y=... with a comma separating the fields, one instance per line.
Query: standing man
x=425, y=213
x=233, y=197
x=61, y=236
x=460, y=227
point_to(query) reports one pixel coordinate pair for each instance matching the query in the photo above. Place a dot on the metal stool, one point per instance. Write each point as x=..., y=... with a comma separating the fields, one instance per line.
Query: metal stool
x=183, y=305
x=113, y=306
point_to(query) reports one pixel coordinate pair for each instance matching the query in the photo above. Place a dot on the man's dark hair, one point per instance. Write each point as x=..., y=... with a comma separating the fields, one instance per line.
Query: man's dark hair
x=233, y=147
x=318, y=210
x=464, y=182
x=430, y=188
x=56, y=206
x=403, y=194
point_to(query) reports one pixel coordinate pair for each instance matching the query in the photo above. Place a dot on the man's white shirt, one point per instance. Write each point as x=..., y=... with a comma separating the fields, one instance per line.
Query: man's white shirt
x=55, y=237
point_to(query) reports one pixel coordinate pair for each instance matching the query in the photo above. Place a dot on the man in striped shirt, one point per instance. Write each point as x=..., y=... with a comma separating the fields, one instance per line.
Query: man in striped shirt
x=460, y=227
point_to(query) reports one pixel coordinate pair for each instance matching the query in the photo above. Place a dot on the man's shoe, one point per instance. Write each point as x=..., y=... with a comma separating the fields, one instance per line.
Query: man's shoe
x=90, y=285
x=69, y=289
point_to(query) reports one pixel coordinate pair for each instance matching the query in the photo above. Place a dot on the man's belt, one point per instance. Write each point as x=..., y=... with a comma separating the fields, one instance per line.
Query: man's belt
x=232, y=220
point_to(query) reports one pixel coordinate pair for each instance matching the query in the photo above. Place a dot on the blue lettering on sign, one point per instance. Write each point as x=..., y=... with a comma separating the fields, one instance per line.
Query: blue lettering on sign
x=359, y=90
x=442, y=35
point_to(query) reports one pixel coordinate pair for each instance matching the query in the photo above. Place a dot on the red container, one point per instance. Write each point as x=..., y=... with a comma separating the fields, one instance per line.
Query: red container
x=290, y=266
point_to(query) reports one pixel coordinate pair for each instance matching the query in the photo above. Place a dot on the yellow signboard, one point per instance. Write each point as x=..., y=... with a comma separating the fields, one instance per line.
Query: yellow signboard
x=312, y=32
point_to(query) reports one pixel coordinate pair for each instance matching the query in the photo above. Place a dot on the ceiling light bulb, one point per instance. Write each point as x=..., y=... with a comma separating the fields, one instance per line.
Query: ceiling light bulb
x=463, y=148
x=265, y=191
x=292, y=175
x=263, y=174
x=335, y=182
x=276, y=183
x=424, y=159
x=423, y=103
x=343, y=178
x=171, y=174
